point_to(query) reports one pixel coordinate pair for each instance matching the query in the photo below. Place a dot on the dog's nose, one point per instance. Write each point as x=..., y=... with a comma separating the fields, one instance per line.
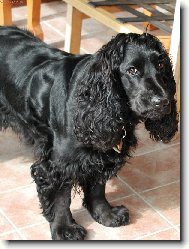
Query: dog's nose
x=160, y=102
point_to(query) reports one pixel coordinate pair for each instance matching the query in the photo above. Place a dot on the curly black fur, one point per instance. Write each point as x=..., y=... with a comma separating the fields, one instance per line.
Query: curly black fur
x=74, y=109
x=99, y=119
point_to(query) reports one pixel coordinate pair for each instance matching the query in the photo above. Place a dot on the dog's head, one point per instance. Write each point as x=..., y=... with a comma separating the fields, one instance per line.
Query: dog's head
x=147, y=77
x=132, y=73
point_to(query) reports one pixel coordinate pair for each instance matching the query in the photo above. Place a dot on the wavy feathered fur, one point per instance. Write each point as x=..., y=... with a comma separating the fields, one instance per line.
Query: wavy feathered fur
x=100, y=115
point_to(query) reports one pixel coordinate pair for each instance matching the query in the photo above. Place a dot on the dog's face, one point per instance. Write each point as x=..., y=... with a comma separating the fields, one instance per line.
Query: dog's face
x=132, y=74
x=142, y=75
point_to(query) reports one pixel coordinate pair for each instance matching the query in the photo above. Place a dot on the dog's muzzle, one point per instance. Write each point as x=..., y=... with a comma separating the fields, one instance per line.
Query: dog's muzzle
x=157, y=113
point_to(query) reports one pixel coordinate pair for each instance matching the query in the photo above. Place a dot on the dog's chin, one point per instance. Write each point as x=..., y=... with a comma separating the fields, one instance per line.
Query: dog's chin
x=155, y=114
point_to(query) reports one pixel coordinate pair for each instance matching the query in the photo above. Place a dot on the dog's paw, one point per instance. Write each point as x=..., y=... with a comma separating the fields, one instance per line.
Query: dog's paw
x=68, y=232
x=113, y=217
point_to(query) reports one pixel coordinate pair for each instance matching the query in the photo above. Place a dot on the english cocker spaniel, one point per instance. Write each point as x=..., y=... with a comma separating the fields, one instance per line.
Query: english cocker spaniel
x=80, y=113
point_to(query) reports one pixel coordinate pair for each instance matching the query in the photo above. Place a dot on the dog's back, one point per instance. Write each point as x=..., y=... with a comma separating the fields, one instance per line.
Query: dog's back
x=34, y=77
x=28, y=70
x=21, y=54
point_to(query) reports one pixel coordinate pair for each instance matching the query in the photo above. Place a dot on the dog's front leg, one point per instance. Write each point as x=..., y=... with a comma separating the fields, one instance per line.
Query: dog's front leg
x=55, y=199
x=64, y=227
x=99, y=208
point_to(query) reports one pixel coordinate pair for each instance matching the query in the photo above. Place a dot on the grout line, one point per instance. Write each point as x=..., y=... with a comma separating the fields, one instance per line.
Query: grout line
x=54, y=29
x=150, y=151
x=43, y=222
x=154, y=233
x=116, y=199
x=141, y=197
x=62, y=34
x=93, y=33
x=78, y=211
x=84, y=50
x=176, y=228
x=164, y=185
x=13, y=225
x=6, y=233
x=15, y=189
x=121, y=198
x=33, y=225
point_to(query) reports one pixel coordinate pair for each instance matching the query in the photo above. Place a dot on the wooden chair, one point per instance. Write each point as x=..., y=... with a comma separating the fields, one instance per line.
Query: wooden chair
x=103, y=11
x=33, y=20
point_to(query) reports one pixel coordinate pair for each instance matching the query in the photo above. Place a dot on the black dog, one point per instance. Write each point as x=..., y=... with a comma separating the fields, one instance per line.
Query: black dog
x=80, y=112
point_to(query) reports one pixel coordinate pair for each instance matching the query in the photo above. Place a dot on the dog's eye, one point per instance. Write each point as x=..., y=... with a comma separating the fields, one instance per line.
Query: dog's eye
x=160, y=65
x=132, y=71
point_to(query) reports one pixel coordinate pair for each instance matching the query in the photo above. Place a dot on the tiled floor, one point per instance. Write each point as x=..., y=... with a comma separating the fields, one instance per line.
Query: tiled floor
x=149, y=185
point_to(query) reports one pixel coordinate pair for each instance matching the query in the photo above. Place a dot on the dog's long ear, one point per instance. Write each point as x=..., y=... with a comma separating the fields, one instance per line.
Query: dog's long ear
x=99, y=114
x=165, y=128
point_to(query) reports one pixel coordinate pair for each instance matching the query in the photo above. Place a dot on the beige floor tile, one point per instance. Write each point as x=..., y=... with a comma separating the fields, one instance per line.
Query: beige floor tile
x=166, y=200
x=115, y=189
x=143, y=221
x=146, y=144
x=93, y=42
x=5, y=226
x=38, y=232
x=22, y=206
x=152, y=169
x=10, y=145
x=51, y=36
x=170, y=234
x=15, y=173
x=10, y=236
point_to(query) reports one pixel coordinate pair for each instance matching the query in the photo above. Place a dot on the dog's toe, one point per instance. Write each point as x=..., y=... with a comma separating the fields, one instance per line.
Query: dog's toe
x=114, y=217
x=120, y=216
x=74, y=232
x=69, y=232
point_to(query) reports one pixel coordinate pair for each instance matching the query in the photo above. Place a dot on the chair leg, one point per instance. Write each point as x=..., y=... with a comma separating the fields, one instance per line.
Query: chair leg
x=5, y=13
x=73, y=30
x=33, y=22
x=147, y=24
